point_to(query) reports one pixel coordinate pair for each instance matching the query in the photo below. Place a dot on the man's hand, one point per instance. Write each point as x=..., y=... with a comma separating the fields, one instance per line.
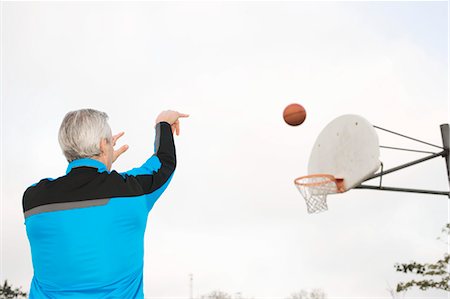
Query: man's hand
x=172, y=117
x=121, y=150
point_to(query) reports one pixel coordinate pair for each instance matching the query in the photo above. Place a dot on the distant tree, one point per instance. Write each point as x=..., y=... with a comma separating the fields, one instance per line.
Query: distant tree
x=216, y=295
x=7, y=291
x=436, y=275
x=299, y=295
x=317, y=294
x=314, y=294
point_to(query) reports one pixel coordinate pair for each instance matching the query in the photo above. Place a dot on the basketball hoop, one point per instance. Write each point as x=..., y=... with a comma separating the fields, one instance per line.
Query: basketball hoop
x=315, y=188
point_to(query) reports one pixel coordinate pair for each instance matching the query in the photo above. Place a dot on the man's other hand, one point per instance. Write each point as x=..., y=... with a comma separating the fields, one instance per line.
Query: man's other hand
x=121, y=150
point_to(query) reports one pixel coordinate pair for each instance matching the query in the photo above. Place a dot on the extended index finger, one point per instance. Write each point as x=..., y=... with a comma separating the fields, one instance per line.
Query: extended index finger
x=182, y=115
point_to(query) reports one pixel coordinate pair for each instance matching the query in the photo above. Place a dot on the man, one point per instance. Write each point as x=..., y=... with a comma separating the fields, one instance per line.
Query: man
x=86, y=229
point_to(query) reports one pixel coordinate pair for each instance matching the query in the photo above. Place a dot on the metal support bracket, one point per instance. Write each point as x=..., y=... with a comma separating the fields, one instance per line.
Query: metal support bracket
x=380, y=188
x=444, y=153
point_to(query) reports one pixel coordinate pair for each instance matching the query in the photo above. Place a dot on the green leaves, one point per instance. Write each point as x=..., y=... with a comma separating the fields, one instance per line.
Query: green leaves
x=436, y=275
x=7, y=292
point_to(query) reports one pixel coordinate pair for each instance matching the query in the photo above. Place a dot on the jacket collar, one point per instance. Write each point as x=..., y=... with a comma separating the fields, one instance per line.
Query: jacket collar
x=87, y=163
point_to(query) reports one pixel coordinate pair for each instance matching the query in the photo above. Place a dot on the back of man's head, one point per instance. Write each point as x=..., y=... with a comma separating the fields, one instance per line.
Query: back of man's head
x=81, y=132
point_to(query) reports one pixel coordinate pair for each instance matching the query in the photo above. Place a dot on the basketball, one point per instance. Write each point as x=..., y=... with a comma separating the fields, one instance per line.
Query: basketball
x=294, y=114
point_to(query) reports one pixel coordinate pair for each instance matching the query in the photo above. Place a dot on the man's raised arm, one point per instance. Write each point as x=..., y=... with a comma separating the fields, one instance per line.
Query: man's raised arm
x=155, y=174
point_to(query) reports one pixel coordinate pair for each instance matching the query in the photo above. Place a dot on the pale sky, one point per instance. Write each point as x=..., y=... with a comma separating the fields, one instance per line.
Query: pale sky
x=232, y=215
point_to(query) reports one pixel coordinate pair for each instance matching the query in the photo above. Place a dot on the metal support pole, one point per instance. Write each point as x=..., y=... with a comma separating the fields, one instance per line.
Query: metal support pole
x=445, y=132
x=191, y=286
x=406, y=165
x=447, y=193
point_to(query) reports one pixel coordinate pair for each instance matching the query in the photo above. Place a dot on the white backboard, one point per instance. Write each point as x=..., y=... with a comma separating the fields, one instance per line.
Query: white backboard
x=347, y=148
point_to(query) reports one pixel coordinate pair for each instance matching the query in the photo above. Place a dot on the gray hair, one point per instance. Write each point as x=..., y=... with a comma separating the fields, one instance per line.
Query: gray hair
x=81, y=132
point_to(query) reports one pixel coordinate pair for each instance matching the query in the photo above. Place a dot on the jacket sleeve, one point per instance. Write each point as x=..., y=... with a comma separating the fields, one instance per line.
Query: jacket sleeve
x=155, y=174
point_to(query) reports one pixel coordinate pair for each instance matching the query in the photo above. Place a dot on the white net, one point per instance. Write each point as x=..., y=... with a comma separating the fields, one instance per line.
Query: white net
x=315, y=189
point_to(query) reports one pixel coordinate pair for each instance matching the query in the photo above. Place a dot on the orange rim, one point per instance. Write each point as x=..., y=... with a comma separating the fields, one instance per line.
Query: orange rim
x=328, y=178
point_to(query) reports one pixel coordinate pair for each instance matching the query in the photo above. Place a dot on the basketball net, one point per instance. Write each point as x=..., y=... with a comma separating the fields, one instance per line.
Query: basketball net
x=315, y=189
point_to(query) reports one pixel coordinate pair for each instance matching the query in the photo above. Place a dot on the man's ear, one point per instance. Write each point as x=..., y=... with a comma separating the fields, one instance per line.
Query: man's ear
x=103, y=144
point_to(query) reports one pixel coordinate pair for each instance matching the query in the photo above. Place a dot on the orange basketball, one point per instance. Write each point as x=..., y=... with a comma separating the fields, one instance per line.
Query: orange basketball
x=294, y=114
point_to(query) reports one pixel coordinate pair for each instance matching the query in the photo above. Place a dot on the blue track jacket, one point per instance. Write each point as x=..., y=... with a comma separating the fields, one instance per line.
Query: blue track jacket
x=86, y=229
